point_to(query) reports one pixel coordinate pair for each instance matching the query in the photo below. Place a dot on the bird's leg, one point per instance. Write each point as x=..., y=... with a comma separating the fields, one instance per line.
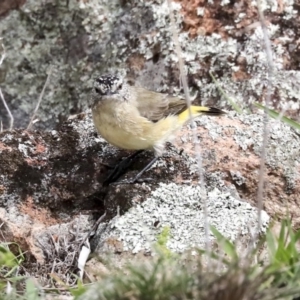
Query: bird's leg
x=151, y=163
x=120, y=168
x=137, y=177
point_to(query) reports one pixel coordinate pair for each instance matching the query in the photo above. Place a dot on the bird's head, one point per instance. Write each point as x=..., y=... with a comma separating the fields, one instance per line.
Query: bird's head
x=110, y=87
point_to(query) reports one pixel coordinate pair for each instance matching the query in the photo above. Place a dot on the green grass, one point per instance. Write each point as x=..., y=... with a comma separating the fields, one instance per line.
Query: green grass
x=275, y=115
x=228, y=276
x=232, y=103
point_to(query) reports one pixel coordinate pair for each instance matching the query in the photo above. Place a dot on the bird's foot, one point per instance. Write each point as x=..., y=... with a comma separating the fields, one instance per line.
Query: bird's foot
x=133, y=180
x=120, y=168
x=137, y=178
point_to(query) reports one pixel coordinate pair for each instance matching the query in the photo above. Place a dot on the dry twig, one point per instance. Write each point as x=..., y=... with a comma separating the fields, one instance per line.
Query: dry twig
x=8, y=110
x=40, y=98
x=195, y=139
x=270, y=68
x=93, y=229
x=3, y=55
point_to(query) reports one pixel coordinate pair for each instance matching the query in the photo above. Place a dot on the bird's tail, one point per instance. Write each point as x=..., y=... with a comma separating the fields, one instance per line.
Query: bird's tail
x=197, y=111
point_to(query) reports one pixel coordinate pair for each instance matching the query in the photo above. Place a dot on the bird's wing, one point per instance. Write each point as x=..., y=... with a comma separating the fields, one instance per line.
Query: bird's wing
x=155, y=106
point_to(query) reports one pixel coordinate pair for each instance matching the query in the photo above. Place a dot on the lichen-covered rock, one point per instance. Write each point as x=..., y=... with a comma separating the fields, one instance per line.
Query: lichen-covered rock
x=49, y=177
x=51, y=167
x=181, y=209
x=89, y=37
x=231, y=149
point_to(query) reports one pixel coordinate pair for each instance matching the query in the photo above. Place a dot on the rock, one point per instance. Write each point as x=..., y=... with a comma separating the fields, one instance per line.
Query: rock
x=90, y=37
x=49, y=178
x=229, y=145
x=179, y=207
x=8, y=5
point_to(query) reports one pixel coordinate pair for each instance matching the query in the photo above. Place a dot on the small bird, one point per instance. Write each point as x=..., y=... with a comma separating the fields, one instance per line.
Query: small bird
x=134, y=118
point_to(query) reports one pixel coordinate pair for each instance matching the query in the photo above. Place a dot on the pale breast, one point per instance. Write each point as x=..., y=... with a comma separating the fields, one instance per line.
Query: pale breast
x=121, y=126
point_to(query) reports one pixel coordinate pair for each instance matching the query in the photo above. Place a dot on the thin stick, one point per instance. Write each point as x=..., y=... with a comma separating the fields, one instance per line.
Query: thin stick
x=93, y=229
x=40, y=98
x=196, y=141
x=2, y=58
x=180, y=59
x=270, y=68
x=3, y=55
x=8, y=110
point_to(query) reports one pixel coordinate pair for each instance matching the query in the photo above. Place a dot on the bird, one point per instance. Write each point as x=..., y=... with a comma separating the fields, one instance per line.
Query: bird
x=134, y=118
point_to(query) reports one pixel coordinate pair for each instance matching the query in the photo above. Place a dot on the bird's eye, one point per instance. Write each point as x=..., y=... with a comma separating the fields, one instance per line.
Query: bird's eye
x=98, y=91
x=120, y=86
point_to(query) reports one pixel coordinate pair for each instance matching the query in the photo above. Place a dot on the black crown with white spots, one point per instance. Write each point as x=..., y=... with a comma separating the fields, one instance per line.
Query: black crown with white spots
x=107, y=84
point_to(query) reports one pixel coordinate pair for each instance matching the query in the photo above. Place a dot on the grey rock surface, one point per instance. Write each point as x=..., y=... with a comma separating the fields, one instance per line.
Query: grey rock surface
x=48, y=178
x=181, y=209
x=86, y=38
